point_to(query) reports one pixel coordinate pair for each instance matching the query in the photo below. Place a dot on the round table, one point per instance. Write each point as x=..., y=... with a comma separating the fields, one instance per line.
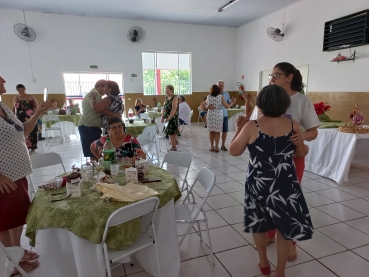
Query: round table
x=68, y=126
x=232, y=116
x=154, y=115
x=80, y=222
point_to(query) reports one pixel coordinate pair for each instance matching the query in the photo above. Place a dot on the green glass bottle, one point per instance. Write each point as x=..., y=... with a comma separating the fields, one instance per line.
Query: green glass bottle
x=108, y=153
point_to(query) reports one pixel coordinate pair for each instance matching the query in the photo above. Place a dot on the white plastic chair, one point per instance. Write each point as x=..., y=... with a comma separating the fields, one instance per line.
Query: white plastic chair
x=162, y=135
x=43, y=160
x=127, y=213
x=242, y=107
x=191, y=213
x=199, y=116
x=9, y=260
x=147, y=138
x=188, y=123
x=183, y=160
x=55, y=125
x=144, y=115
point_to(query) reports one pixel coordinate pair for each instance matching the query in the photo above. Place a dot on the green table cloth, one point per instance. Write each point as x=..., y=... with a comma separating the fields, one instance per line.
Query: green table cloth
x=232, y=112
x=154, y=115
x=332, y=124
x=135, y=129
x=86, y=216
x=71, y=118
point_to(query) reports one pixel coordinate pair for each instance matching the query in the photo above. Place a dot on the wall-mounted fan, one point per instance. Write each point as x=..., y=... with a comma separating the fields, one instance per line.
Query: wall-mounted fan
x=275, y=33
x=24, y=32
x=136, y=34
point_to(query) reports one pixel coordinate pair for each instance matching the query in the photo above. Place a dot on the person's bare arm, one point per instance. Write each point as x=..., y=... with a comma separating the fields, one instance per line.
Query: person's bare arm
x=13, y=108
x=203, y=106
x=301, y=149
x=241, y=139
x=174, y=108
x=111, y=114
x=226, y=105
x=102, y=105
x=94, y=151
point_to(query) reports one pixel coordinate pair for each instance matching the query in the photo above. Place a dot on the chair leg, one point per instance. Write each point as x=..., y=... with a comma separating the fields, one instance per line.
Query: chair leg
x=209, y=240
x=156, y=249
x=107, y=261
x=199, y=227
x=185, y=234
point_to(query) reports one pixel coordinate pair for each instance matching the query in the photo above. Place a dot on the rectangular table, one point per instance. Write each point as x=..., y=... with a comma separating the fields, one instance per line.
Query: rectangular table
x=332, y=152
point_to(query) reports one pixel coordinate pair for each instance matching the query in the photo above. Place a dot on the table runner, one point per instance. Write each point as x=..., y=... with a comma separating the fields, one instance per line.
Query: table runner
x=232, y=112
x=71, y=118
x=135, y=129
x=86, y=216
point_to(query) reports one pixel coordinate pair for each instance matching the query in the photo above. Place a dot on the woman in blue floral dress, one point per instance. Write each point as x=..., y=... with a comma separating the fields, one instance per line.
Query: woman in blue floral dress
x=273, y=196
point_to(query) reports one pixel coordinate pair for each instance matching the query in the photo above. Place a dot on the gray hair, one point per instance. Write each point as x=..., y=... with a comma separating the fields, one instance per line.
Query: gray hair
x=219, y=81
x=182, y=98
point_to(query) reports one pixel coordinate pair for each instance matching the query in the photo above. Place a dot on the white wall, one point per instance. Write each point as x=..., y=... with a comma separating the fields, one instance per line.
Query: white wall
x=72, y=43
x=303, y=44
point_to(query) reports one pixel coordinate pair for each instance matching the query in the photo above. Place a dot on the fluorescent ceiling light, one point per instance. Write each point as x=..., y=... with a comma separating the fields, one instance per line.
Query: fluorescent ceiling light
x=227, y=5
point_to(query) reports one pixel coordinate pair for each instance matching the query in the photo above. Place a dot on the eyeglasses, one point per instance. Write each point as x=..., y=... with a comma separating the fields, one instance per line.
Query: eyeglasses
x=275, y=75
x=116, y=127
x=55, y=200
x=11, y=122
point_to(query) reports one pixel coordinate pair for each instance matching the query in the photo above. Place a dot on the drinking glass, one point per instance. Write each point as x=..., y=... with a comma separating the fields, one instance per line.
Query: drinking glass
x=90, y=175
x=114, y=170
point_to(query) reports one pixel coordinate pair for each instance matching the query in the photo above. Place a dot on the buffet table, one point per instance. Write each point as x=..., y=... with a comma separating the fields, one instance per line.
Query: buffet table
x=70, y=231
x=232, y=116
x=68, y=126
x=332, y=152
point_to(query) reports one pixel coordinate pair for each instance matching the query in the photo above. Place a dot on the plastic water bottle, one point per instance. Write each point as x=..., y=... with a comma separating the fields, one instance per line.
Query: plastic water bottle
x=130, y=113
x=159, y=105
x=108, y=153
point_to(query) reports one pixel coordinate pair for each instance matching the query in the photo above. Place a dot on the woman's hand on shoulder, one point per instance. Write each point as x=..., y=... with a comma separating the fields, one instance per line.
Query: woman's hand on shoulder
x=296, y=138
x=6, y=185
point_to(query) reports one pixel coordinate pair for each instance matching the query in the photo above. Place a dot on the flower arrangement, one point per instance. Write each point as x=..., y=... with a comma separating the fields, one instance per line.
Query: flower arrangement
x=357, y=119
x=321, y=108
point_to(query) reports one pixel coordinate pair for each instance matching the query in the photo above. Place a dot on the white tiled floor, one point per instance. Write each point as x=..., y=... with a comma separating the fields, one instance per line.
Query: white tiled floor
x=340, y=214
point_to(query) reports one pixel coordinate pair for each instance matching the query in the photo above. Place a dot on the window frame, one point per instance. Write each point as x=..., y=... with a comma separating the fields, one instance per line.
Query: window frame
x=156, y=69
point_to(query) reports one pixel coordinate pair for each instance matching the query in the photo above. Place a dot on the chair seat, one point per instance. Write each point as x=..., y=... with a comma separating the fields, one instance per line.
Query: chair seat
x=52, y=129
x=186, y=212
x=142, y=241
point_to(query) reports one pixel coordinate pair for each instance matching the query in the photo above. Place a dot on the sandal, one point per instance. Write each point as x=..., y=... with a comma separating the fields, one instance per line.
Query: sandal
x=224, y=148
x=211, y=149
x=30, y=255
x=265, y=270
x=171, y=149
x=27, y=266
x=216, y=150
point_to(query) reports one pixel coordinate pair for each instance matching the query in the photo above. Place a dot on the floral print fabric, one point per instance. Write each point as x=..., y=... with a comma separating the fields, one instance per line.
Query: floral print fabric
x=24, y=109
x=273, y=196
x=130, y=147
x=171, y=127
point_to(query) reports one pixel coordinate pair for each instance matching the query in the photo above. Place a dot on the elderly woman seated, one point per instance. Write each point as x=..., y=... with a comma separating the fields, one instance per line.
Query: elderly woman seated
x=125, y=145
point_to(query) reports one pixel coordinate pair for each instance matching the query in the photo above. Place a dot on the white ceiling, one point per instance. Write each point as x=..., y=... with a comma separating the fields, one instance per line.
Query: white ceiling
x=184, y=11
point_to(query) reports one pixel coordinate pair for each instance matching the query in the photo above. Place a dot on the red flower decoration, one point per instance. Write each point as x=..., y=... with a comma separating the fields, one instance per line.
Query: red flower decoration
x=321, y=108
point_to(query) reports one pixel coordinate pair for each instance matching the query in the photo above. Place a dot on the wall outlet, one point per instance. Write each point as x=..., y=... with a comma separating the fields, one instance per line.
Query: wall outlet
x=129, y=98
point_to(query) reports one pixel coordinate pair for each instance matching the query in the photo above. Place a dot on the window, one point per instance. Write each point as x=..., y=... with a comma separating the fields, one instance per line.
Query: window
x=77, y=85
x=162, y=69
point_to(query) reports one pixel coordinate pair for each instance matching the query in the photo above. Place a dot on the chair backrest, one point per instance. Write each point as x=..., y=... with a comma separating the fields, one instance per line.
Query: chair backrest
x=207, y=179
x=50, y=117
x=199, y=109
x=132, y=211
x=47, y=159
x=242, y=107
x=160, y=125
x=188, y=119
x=178, y=159
x=149, y=133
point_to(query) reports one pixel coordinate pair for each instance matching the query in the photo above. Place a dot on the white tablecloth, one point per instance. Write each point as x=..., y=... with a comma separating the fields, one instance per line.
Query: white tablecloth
x=232, y=121
x=332, y=152
x=67, y=129
x=66, y=255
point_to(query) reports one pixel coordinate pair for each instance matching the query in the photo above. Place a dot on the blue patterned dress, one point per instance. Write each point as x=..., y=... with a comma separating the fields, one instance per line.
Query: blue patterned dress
x=273, y=196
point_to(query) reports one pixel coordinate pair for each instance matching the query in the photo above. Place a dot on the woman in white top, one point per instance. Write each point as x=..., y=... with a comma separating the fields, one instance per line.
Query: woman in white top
x=301, y=110
x=15, y=165
x=215, y=101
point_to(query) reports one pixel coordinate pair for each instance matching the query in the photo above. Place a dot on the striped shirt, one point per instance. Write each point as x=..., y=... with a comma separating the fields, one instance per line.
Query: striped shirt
x=90, y=118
